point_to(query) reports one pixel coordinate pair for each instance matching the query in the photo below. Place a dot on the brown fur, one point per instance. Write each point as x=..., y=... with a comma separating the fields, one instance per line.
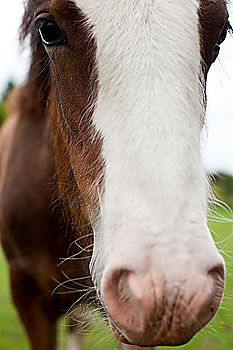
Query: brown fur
x=49, y=158
x=36, y=187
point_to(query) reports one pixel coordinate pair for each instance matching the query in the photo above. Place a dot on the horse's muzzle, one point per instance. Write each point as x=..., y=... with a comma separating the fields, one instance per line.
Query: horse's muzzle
x=148, y=311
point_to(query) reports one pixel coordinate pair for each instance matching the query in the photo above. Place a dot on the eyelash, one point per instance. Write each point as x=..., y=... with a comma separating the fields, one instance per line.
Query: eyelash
x=40, y=25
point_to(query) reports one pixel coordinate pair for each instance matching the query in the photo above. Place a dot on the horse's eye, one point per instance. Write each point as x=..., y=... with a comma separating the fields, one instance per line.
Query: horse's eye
x=51, y=34
x=223, y=35
x=221, y=39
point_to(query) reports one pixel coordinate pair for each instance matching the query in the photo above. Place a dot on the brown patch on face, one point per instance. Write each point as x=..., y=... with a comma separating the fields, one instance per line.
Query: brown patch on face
x=213, y=18
x=73, y=90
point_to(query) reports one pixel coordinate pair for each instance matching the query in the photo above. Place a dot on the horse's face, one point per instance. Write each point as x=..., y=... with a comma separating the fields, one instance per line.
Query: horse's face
x=129, y=74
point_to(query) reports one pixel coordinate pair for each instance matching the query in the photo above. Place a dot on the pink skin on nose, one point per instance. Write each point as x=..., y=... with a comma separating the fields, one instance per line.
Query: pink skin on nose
x=143, y=312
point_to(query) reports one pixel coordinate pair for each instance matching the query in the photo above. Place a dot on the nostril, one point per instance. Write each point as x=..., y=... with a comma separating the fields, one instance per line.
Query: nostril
x=115, y=289
x=218, y=272
x=218, y=275
x=129, y=299
x=214, y=291
x=116, y=283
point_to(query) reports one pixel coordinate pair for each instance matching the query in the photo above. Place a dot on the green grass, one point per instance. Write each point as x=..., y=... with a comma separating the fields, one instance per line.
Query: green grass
x=11, y=332
x=217, y=336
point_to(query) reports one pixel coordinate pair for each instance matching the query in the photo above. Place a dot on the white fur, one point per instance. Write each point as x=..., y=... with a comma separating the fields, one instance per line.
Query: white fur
x=149, y=113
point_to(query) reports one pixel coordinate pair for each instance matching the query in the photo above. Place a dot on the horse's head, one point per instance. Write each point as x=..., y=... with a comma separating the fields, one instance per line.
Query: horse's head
x=128, y=77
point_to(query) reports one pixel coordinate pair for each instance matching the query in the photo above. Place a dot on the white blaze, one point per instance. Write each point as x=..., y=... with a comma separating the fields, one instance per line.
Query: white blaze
x=149, y=112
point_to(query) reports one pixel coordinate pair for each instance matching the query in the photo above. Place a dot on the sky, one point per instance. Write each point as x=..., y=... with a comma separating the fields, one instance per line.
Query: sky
x=217, y=138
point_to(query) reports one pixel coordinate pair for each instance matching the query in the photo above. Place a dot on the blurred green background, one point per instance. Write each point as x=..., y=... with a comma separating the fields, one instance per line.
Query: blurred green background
x=216, y=336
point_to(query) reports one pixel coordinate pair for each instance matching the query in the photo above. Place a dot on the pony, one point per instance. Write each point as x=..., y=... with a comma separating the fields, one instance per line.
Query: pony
x=103, y=195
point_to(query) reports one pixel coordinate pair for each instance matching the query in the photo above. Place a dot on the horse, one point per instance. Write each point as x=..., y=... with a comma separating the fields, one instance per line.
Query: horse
x=103, y=191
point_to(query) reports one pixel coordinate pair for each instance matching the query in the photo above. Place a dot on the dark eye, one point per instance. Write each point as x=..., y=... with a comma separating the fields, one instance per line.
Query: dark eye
x=51, y=34
x=223, y=35
x=221, y=39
